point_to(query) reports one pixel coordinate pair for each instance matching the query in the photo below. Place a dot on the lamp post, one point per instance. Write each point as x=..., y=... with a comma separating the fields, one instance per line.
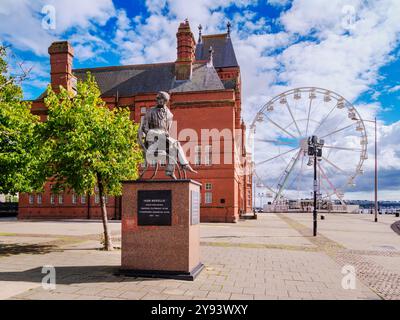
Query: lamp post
x=315, y=153
x=376, y=174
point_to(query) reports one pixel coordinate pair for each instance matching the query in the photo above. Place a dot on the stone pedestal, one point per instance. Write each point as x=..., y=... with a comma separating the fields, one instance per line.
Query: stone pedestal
x=160, y=229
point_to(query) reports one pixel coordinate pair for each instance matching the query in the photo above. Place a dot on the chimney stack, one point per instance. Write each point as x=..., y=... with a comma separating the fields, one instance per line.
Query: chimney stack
x=61, y=56
x=186, y=52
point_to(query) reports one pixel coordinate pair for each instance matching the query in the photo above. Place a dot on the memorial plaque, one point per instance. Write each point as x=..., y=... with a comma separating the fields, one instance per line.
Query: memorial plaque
x=195, y=207
x=154, y=208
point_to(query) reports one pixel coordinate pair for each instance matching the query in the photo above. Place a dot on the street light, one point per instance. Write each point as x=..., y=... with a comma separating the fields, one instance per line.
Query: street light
x=315, y=153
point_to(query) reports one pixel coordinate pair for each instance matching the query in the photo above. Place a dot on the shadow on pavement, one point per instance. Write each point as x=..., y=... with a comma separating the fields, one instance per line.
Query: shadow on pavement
x=9, y=249
x=72, y=275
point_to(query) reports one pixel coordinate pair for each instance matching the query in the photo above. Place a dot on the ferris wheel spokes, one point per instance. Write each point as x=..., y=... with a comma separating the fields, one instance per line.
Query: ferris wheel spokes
x=326, y=118
x=343, y=148
x=334, y=165
x=287, y=172
x=335, y=191
x=294, y=120
x=337, y=131
x=278, y=156
x=308, y=116
x=280, y=127
x=276, y=142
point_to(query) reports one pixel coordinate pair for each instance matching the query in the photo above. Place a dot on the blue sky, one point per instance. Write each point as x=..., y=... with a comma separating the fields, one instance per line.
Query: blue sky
x=348, y=46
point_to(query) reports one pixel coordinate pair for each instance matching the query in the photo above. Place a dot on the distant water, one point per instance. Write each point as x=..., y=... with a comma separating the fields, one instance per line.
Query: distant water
x=382, y=209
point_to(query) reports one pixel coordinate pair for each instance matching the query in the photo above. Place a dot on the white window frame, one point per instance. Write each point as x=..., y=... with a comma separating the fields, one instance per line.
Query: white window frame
x=143, y=110
x=208, y=155
x=74, y=198
x=208, y=198
x=39, y=198
x=197, y=155
x=60, y=198
x=31, y=198
x=96, y=198
x=52, y=198
x=83, y=199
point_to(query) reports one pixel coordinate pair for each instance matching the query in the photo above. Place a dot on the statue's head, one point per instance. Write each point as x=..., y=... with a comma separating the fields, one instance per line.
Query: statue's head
x=162, y=98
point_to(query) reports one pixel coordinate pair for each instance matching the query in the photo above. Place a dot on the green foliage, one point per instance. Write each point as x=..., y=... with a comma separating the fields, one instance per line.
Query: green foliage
x=20, y=153
x=89, y=143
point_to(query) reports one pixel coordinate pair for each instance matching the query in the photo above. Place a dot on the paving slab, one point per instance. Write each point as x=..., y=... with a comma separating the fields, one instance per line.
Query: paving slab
x=273, y=257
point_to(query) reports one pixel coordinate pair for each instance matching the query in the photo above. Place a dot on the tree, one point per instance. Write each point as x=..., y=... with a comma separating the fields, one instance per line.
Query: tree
x=20, y=154
x=90, y=145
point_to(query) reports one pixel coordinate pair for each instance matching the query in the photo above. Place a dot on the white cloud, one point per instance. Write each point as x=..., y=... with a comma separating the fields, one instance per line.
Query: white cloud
x=81, y=14
x=278, y=3
x=320, y=44
x=22, y=21
x=394, y=89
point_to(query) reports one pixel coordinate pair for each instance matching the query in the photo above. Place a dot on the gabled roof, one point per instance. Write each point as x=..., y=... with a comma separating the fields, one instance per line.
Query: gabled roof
x=224, y=54
x=150, y=78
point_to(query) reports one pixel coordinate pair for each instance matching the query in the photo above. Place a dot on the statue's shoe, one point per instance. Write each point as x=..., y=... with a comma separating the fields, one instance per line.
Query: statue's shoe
x=187, y=167
x=171, y=174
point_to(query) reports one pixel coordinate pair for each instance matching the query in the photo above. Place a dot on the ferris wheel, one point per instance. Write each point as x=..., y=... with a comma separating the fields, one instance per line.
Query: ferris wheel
x=281, y=132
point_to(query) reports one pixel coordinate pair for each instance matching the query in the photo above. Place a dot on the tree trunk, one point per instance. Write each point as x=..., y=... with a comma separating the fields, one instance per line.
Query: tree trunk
x=107, y=237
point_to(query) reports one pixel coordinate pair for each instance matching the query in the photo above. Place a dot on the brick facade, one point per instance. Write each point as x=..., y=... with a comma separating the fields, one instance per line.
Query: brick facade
x=226, y=186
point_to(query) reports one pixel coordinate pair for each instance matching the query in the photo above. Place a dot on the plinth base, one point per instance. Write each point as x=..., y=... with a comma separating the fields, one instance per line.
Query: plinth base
x=176, y=275
x=160, y=229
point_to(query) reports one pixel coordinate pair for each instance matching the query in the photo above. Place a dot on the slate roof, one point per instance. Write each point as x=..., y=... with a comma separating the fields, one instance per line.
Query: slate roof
x=149, y=78
x=224, y=54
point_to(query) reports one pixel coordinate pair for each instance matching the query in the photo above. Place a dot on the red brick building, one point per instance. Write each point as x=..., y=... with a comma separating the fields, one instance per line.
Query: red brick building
x=205, y=91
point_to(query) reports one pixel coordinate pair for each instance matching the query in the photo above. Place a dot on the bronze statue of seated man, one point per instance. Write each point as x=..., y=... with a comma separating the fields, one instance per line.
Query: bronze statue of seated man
x=155, y=139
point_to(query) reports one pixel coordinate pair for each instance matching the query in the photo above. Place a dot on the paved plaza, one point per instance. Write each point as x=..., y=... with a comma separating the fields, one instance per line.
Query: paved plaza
x=273, y=257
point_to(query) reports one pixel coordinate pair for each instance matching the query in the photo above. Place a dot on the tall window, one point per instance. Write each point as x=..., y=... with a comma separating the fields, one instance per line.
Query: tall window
x=208, y=155
x=60, y=198
x=39, y=198
x=83, y=199
x=31, y=199
x=208, y=197
x=197, y=155
x=96, y=198
x=52, y=198
x=74, y=198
